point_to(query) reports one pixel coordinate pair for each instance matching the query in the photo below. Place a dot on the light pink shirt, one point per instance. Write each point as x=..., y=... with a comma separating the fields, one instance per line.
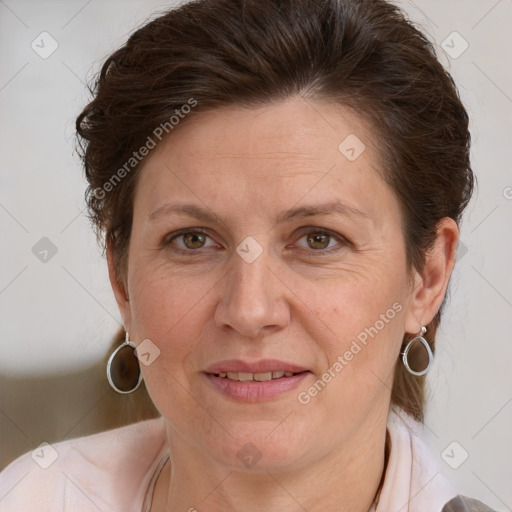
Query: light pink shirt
x=106, y=472
x=114, y=471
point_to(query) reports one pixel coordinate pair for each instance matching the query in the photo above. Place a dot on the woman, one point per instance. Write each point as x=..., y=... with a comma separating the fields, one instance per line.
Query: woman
x=279, y=186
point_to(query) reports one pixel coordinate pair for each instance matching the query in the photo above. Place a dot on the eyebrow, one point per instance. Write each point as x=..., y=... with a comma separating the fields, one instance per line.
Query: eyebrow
x=207, y=215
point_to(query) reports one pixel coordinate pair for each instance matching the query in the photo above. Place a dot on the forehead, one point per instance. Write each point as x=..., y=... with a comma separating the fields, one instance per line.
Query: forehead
x=295, y=147
x=293, y=128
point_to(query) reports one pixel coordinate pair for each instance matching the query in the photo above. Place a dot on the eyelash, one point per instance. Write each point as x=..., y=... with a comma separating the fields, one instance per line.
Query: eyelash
x=311, y=230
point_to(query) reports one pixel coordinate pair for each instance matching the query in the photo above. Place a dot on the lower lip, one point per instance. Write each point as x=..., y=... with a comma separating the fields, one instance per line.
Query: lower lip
x=254, y=391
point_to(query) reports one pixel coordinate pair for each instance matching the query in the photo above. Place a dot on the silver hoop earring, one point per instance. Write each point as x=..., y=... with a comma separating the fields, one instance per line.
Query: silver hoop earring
x=418, y=342
x=123, y=370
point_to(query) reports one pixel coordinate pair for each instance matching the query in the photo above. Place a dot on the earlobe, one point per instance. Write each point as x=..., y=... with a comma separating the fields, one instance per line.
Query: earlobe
x=118, y=287
x=431, y=283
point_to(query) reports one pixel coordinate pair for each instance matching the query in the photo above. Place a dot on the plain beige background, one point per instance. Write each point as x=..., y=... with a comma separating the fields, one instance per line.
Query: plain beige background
x=58, y=317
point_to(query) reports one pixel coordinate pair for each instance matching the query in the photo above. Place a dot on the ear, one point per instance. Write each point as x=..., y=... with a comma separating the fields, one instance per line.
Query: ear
x=430, y=285
x=119, y=288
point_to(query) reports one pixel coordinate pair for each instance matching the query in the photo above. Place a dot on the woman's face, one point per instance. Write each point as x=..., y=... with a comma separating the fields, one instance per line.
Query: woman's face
x=260, y=246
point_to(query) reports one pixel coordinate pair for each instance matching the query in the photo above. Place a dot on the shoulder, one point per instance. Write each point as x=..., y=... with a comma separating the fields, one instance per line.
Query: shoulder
x=83, y=474
x=465, y=504
x=414, y=472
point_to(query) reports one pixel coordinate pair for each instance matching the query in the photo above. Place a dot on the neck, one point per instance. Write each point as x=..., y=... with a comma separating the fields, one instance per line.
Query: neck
x=347, y=479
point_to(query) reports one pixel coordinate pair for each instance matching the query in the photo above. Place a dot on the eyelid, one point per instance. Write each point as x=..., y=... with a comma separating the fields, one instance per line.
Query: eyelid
x=305, y=230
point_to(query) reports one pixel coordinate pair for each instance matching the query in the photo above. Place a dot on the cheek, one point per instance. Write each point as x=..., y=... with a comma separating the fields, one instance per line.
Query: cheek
x=164, y=300
x=172, y=314
x=358, y=324
x=342, y=307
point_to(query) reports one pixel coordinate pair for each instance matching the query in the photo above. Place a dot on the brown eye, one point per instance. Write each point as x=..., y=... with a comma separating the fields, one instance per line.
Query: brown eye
x=190, y=241
x=194, y=240
x=318, y=240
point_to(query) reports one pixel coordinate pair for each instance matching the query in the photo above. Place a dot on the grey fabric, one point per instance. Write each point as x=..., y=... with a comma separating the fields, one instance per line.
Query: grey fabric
x=465, y=504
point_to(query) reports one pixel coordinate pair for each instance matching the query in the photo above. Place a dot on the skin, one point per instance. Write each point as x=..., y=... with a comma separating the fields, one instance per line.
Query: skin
x=206, y=304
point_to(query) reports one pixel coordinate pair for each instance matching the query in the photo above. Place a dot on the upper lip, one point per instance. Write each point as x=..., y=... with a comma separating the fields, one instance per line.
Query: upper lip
x=261, y=366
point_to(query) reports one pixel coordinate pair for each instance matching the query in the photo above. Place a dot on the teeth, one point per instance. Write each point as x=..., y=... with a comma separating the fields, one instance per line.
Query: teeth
x=263, y=376
x=258, y=377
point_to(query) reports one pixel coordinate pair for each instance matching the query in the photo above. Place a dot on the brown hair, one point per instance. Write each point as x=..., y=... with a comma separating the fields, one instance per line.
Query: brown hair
x=363, y=54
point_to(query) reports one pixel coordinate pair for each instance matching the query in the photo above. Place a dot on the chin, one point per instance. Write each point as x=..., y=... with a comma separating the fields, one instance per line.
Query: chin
x=263, y=450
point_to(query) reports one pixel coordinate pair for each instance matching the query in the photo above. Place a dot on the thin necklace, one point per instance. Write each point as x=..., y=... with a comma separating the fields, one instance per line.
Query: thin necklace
x=148, y=498
x=387, y=449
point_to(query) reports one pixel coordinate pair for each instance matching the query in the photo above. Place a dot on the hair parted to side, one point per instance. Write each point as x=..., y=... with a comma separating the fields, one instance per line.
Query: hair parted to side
x=363, y=54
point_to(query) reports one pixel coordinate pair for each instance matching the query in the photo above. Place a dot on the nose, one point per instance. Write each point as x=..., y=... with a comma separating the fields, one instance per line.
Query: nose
x=253, y=300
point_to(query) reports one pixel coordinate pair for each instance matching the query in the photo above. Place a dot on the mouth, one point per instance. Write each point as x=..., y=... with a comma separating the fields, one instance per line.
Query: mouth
x=256, y=377
x=255, y=382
